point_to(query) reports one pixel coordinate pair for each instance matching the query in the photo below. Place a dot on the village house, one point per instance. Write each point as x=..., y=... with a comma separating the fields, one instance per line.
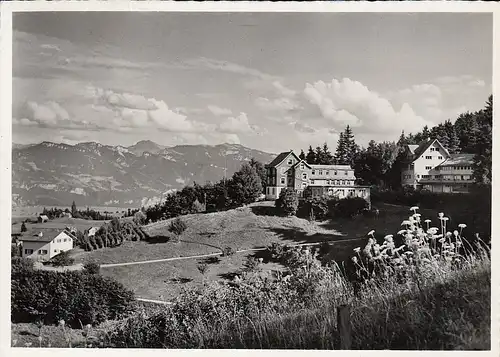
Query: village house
x=43, y=218
x=288, y=170
x=430, y=166
x=43, y=244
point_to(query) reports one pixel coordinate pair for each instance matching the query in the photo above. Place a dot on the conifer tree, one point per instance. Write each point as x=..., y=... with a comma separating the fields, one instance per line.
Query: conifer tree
x=302, y=155
x=311, y=156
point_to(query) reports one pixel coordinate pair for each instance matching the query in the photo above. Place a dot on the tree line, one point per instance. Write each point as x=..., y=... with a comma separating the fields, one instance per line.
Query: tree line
x=244, y=187
x=380, y=163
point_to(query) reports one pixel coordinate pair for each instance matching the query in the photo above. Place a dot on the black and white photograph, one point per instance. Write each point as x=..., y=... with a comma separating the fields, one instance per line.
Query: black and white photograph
x=251, y=180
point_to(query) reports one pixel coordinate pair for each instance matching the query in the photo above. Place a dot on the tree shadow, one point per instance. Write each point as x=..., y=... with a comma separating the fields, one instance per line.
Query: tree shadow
x=181, y=280
x=228, y=276
x=300, y=236
x=265, y=210
x=211, y=260
x=27, y=333
x=158, y=239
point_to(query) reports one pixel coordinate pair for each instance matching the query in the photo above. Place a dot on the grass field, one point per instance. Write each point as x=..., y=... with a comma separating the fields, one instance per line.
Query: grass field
x=245, y=228
x=58, y=223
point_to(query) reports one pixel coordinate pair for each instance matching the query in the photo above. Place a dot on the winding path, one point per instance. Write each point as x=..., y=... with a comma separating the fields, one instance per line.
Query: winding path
x=220, y=253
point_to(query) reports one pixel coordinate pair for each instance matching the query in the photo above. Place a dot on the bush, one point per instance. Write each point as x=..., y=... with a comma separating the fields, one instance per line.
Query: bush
x=23, y=228
x=227, y=251
x=61, y=259
x=316, y=208
x=177, y=226
x=197, y=207
x=75, y=297
x=91, y=268
x=350, y=207
x=287, y=202
x=139, y=218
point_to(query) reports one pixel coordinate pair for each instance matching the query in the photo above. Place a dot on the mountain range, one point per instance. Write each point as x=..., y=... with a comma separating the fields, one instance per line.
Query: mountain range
x=98, y=175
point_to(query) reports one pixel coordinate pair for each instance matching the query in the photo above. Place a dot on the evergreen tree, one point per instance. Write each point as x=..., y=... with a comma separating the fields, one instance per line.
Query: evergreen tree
x=340, y=154
x=311, y=156
x=23, y=228
x=483, y=150
x=466, y=128
x=327, y=155
x=426, y=133
x=261, y=171
x=73, y=209
x=346, y=148
x=319, y=156
x=302, y=155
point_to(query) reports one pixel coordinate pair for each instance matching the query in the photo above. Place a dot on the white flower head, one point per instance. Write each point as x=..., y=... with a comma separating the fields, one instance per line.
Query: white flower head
x=414, y=208
x=370, y=233
x=427, y=221
x=462, y=225
x=354, y=259
x=440, y=214
x=403, y=231
x=405, y=222
x=445, y=218
x=62, y=322
x=455, y=233
x=357, y=250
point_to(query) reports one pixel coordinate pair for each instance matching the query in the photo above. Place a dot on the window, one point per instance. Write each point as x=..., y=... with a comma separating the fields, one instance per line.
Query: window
x=56, y=250
x=335, y=172
x=313, y=172
x=28, y=251
x=327, y=173
x=290, y=161
x=304, y=184
x=426, y=176
x=304, y=176
x=440, y=157
x=428, y=157
x=346, y=173
x=428, y=167
x=42, y=252
x=283, y=180
x=59, y=240
x=412, y=166
x=312, y=182
x=320, y=172
x=418, y=176
x=432, y=149
x=302, y=166
x=65, y=239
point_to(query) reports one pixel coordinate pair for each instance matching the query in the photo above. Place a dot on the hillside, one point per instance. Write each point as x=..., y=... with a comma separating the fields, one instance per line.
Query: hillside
x=95, y=174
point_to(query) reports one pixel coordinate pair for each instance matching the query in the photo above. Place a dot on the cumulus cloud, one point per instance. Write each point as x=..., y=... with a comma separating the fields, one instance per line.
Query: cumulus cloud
x=215, y=110
x=350, y=102
x=238, y=124
x=136, y=111
x=287, y=92
x=45, y=114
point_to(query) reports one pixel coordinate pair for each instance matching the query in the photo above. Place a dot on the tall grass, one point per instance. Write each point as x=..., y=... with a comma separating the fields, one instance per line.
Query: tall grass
x=432, y=292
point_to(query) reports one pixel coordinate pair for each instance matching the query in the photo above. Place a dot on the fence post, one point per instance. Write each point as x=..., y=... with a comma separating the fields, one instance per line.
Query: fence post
x=344, y=326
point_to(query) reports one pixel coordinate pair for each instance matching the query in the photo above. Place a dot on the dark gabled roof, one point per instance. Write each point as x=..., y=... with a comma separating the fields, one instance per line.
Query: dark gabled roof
x=423, y=146
x=280, y=158
x=48, y=234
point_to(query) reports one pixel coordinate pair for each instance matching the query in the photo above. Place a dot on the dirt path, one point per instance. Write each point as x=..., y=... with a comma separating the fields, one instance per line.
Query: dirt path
x=216, y=254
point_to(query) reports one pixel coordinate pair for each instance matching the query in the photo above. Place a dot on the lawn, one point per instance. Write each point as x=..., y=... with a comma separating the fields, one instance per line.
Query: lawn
x=58, y=223
x=245, y=228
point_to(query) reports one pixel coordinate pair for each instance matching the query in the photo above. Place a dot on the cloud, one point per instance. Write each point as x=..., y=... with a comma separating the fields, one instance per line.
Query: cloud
x=237, y=124
x=349, y=102
x=47, y=114
x=227, y=66
x=287, y=92
x=280, y=104
x=50, y=47
x=215, y=110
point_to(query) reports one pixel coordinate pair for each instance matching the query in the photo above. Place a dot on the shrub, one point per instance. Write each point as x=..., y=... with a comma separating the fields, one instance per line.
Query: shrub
x=75, y=297
x=197, y=207
x=62, y=259
x=202, y=268
x=287, y=202
x=177, y=226
x=227, y=251
x=350, y=207
x=139, y=218
x=317, y=208
x=23, y=228
x=91, y=268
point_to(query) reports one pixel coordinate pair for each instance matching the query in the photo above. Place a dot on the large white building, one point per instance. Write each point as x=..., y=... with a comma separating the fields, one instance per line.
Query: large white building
x=430, y=166
x=288, y=170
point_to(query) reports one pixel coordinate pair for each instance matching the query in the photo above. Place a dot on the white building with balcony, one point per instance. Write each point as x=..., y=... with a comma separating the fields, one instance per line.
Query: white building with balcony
x=430, y=166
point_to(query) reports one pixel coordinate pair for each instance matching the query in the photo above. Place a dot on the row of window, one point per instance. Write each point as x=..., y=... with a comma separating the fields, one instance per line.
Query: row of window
x=430, y=157
x=337, y=182
x=450, y=168
x=444, y=177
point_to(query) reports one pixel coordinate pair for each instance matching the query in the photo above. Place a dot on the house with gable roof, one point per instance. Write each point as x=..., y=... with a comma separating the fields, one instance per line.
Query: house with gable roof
x=430, y=166
x=43, y=244
x=288, y=170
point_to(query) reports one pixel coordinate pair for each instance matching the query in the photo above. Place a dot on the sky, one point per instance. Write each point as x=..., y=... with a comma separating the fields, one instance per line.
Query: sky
x=269, y=81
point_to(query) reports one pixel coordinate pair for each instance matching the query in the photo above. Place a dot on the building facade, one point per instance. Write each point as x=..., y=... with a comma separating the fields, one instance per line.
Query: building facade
x=430, y=166
x=288, y=170
x=46, y=243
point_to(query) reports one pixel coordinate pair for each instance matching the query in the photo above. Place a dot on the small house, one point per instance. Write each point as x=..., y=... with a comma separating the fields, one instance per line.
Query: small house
x=46, y=243
x=43, y=218
x=92, y=231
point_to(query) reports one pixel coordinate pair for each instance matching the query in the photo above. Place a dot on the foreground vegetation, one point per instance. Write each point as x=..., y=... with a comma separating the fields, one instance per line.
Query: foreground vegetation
x=430, y=292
